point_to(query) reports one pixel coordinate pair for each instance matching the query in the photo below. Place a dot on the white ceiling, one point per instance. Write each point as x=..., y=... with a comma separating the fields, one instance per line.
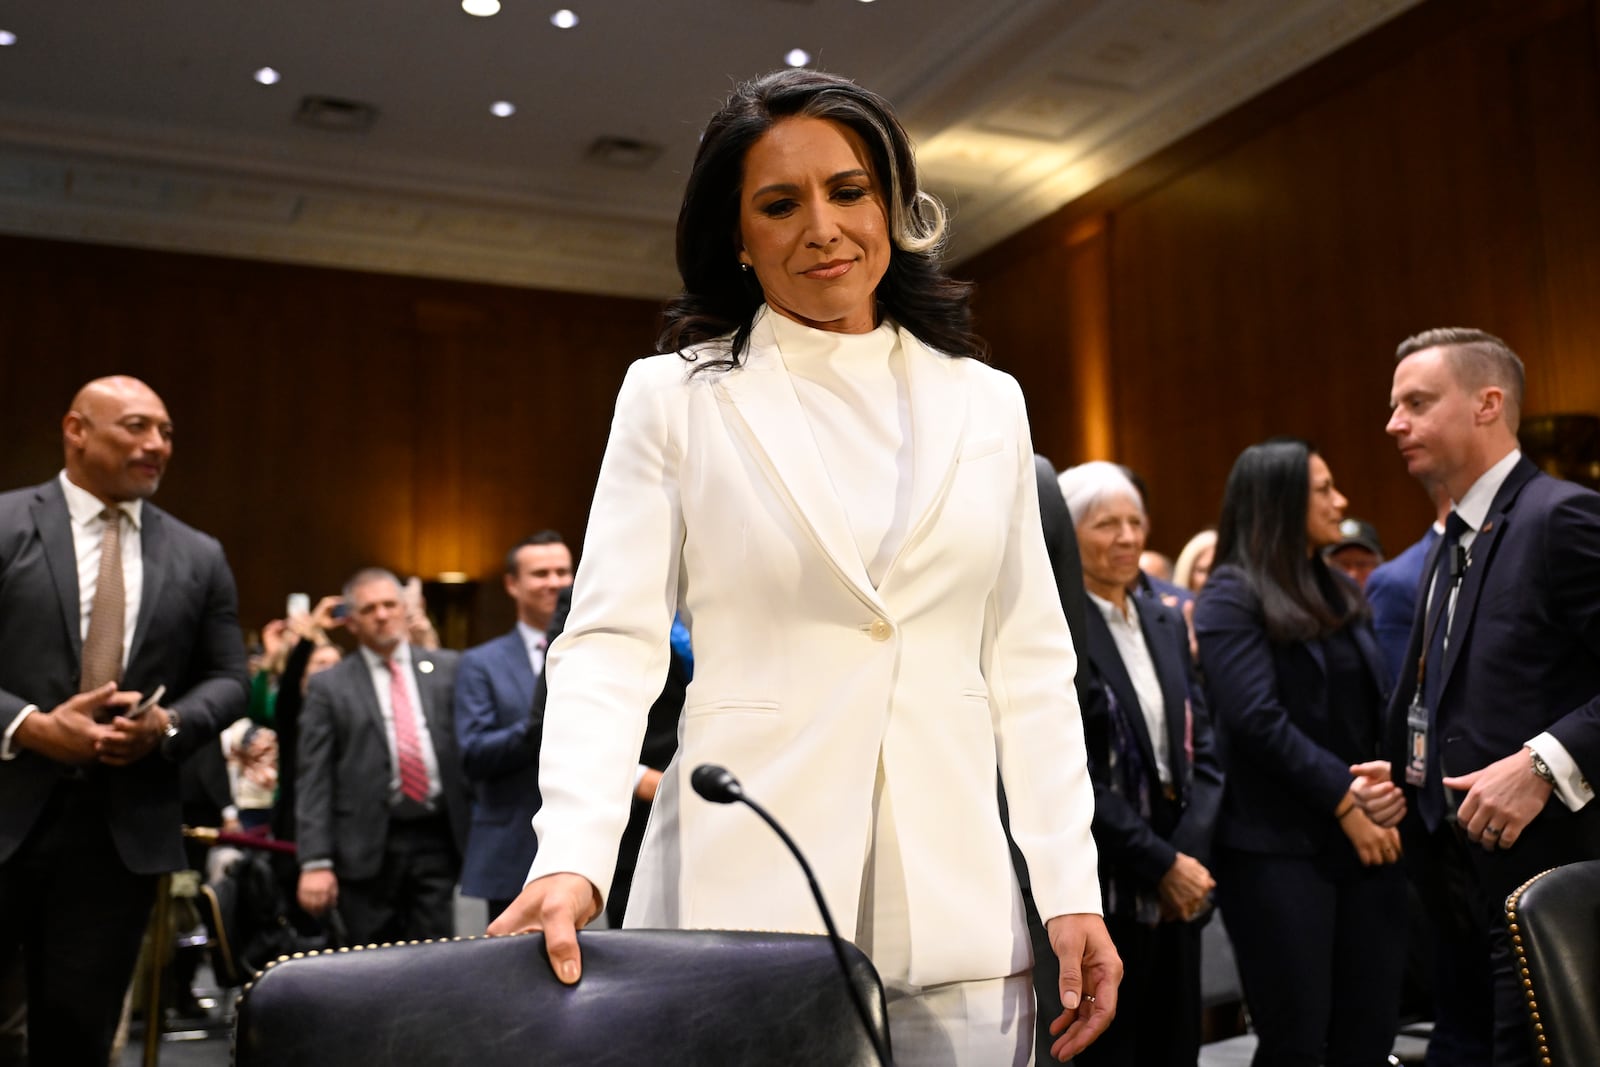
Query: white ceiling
x=137, y=122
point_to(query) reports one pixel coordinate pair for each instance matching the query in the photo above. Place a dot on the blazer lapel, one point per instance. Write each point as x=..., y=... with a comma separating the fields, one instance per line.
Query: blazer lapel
x=1102, y=648
x=152, y=536
x=938, y=428
x=1156, y=624
x=1480, y=556
x=763, y=398
x=54, y=523
x=424, y=669
x=518, y=667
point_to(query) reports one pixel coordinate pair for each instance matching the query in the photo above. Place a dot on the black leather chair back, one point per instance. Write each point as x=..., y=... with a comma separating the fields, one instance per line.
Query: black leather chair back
x=684, y=997
x=1555, y=932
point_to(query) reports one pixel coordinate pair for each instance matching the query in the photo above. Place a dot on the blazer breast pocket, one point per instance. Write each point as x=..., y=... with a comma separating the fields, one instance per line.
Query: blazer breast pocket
x=731, y=707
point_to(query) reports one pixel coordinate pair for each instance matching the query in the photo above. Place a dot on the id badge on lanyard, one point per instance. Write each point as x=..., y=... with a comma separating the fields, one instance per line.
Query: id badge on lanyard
x=1416, y=742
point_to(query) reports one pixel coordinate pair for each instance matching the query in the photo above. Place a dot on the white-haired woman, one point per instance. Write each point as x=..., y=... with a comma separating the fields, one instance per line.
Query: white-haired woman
x=1157, y=781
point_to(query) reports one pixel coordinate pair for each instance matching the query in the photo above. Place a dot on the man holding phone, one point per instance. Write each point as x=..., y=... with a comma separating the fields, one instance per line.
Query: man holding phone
x=120, y=654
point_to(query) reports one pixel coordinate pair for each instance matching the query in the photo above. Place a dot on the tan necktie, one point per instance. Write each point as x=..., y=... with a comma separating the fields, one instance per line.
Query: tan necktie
x=102, y=649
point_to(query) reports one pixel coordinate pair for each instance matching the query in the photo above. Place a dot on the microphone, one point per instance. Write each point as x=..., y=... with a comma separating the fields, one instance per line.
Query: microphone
x=719, y=786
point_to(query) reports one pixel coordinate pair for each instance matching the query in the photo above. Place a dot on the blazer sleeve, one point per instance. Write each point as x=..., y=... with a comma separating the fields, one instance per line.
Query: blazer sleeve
x=1572, y=547
x=220, y=692
x=1393, y=606
x=1199, y=821
x=1242, y=682
x=606, y=669
x=1028, y=661
x=489, y=749
x=315, y=763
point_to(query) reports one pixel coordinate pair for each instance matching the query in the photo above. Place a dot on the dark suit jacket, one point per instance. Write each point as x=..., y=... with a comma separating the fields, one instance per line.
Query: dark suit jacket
x=342, y=787
x=186, y=638
x=1061, y=543
x=498, y=738
x=1524, y=655
x=1126, y=841
x=1275, y=728
x=1392, y=592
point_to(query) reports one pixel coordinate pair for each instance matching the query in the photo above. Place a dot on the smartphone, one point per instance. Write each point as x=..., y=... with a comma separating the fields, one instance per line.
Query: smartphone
x=147, y=703
x=340, y=610
x=299, y=604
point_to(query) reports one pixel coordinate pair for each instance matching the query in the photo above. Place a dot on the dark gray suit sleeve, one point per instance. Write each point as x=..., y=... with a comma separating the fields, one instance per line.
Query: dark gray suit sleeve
x=315, y=758
x=220, y=692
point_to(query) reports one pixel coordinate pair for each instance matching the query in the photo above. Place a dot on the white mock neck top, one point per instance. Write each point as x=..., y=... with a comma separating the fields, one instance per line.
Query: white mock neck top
x=852, y=388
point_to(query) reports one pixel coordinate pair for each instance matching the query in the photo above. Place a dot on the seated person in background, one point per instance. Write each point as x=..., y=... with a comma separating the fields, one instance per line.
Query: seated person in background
x=1157, y=781
x=1358, y=552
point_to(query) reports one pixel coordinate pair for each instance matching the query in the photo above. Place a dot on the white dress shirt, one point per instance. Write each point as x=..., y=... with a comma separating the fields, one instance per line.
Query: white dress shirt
x=381, y=680
x=1473, y=507
x=1129, y=639
x=88, y=532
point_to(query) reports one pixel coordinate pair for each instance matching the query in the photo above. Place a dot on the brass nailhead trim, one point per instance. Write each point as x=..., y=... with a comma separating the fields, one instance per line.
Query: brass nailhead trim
x=1512, y=904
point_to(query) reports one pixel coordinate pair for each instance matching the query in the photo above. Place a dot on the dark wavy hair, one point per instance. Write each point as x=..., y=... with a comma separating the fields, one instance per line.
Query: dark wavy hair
x=720, y=299
x=1262, y=532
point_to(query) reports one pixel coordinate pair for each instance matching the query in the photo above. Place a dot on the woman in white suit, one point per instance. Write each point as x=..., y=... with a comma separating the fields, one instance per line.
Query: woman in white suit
x=842, y=504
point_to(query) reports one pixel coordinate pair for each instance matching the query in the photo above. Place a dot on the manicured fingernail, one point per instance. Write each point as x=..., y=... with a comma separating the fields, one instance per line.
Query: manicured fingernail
x=1070, y=1001
x=569, y=972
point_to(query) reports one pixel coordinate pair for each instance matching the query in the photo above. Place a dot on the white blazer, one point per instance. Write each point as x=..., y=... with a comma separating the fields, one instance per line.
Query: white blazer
x=713, y=500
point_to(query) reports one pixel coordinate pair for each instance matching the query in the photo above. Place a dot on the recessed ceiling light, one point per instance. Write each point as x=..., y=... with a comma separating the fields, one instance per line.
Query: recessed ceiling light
x=268, y=76
x=481, y=8
x=797, y=57
x=502, y=109
x=7, y=38
x=564, y=19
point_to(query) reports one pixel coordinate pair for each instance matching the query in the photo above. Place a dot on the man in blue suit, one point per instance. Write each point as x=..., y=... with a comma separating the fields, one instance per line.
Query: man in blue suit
x=496, y=728
x=1392, y=589
x=1494, y=729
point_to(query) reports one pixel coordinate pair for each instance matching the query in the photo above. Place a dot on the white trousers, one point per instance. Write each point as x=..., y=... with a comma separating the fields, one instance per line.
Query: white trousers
x=985, y=1023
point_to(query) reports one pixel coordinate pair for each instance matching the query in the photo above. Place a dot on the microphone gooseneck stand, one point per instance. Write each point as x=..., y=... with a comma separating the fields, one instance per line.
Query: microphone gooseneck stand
x=718, y=785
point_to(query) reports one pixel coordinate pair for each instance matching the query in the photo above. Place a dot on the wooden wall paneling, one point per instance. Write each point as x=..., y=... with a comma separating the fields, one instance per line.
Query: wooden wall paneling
x=1044, y=316
x=1555, y=100
x=326, y=419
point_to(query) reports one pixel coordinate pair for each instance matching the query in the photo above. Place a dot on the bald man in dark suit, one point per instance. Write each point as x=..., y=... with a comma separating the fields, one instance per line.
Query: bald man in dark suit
x=104, y=600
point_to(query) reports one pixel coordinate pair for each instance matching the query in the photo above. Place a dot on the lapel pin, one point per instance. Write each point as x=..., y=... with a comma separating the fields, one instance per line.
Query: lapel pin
x=425, y=666
x=1487, y=527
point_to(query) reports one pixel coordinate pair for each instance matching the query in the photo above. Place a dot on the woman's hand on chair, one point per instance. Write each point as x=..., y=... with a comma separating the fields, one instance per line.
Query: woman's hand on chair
x=560, y=905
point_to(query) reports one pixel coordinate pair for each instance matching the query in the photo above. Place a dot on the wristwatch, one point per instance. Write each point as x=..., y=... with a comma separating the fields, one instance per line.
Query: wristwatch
x=1540, y=767
x=169, y=736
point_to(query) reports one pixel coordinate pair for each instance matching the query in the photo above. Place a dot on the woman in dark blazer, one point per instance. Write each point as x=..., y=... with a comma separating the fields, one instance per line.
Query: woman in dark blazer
x=1157, y=782
x=1314, y=900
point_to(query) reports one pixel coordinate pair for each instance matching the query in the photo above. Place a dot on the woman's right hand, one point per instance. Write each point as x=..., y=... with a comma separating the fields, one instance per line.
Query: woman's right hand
x=1375, y=845
x=560, y=905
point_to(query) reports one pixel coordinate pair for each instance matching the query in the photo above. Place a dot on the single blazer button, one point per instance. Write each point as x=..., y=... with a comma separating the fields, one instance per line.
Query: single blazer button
x=880, y=630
